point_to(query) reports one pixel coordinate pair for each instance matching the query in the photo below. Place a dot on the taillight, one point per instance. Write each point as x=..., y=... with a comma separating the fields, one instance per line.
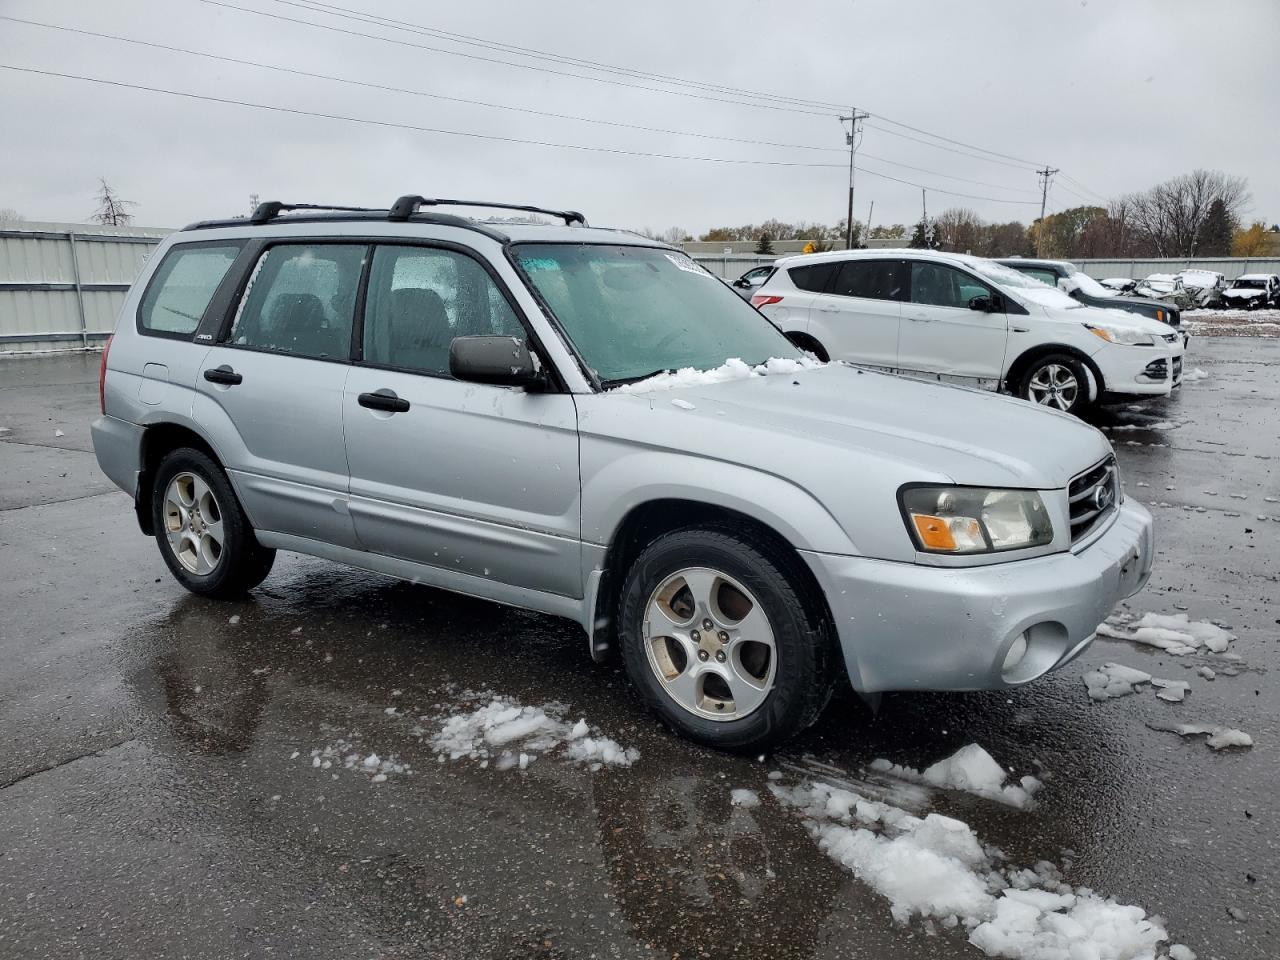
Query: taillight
x=102, y=377
x=764, y=300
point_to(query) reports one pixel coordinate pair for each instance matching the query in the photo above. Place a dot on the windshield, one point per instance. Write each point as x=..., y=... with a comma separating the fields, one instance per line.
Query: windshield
x=1024, y=285
x=631, y=312
x=1250, y=284
x=1090, y=286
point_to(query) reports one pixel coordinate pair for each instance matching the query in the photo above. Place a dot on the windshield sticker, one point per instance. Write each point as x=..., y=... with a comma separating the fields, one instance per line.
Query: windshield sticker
x=687, y=265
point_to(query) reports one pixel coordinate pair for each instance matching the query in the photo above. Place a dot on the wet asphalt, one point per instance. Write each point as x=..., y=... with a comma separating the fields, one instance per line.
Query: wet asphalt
x=151, y=804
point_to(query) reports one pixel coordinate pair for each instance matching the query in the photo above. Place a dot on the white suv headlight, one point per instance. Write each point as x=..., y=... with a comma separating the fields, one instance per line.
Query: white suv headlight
x=974, y=519
x=1125, y=335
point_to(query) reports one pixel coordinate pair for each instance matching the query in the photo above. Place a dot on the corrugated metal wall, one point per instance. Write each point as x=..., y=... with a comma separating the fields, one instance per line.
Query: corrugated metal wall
x=62, y=284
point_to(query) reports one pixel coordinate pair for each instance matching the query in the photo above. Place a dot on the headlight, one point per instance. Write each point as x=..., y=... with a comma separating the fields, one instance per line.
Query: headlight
x=975, y=519
x=1134, y=338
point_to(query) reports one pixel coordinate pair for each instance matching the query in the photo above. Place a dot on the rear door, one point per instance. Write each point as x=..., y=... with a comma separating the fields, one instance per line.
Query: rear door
x=858, y=314
x=269, y=396
x=789, y=293
x=943, y=335
x=475, y=479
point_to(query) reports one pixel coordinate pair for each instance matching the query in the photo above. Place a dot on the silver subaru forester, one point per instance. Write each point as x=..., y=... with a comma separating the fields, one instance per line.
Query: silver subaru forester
x=586, y=423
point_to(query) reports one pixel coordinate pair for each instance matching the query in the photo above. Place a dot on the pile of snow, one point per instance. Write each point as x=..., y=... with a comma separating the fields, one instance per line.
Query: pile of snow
x=734, y=369
x=515, y=735
x=347, y=755
x=744, y=798
x=1190, y=376
x=972, y=770
x=1175, y=634
x=937, y=869
x=1114, y=680
x=1219, y=737
x=1174, y=691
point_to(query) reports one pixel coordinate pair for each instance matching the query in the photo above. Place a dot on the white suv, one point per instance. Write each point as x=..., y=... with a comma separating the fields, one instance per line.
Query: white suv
x=952, y=317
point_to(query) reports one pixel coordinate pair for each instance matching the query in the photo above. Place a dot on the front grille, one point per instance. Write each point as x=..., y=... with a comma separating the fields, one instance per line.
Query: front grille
x=1177, y=369
x=1093, y=496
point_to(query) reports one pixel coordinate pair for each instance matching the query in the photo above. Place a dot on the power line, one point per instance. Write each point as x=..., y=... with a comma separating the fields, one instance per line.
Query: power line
x=482, y=103
x=939, y=146
x=507, y=63
x=959, y=143
x=480, y=136
x=1067, y=176
x=333, y=9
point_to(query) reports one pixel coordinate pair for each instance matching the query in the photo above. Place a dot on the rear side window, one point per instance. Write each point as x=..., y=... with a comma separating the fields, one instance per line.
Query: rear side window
x=813, y=277
x=421, y=298
x=1044, y=276
x=182, y=287
x=301, y=300
x=871, y=280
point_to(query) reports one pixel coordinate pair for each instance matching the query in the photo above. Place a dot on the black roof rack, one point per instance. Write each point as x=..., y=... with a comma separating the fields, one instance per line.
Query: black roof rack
x=407, y=206
x=268, y=211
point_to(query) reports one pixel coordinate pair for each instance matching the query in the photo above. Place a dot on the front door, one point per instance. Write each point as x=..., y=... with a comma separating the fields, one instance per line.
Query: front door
x=857, y=317
x=270, y=396
x=942, y=335
x=475, y=479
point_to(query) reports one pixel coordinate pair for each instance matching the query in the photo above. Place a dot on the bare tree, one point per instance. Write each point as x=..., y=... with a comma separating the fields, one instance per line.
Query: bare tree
x=1167, y=219
x=112, y=211
x=10, y=215
x=959, y=230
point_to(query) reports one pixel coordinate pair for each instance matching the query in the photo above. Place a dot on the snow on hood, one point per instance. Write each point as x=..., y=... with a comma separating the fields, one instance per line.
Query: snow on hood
x=732, y=369
x=1247, y=293
x=1048, y=297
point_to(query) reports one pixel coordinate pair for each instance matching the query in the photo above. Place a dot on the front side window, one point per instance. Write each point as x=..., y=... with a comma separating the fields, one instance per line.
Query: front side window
x=183, y=285
x=939, y=285
x=301, y=300
x=870, y=280
x=634, y=311
x=420, y=298
x=1044, y=276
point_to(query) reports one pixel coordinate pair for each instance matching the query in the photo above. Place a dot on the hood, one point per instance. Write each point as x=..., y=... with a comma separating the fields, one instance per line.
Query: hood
x=1115, y=317
x=838, y=420
x=1247, y=293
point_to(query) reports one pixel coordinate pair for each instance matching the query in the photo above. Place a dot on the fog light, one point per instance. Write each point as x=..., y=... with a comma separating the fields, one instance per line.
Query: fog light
x=1017, y=651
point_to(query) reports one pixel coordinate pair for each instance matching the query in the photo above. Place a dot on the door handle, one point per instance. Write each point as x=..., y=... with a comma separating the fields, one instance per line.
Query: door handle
x=383, y=399
x=921, y=319
x=223, y=374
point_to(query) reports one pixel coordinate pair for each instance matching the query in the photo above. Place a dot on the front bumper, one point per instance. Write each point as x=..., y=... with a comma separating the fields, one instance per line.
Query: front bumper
x=904, y=626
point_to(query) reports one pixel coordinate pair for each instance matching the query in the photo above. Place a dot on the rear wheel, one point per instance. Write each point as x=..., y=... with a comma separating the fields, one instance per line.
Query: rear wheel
x=719, y=641
x=203, y=534
x=1059, y=381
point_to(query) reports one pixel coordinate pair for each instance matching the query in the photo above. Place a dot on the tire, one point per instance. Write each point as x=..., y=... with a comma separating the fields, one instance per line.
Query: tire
x=1058, y=381
x=810, y=345
x=201, y=529
x=777, y=690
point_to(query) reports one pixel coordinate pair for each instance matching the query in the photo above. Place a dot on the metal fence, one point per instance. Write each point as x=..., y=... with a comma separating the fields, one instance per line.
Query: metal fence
x=62, y=284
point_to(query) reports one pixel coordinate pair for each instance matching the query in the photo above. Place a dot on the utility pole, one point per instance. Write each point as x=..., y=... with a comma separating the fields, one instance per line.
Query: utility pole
x=1046, y=175
x=924, y=220
x=870, y=210
x=851, y=138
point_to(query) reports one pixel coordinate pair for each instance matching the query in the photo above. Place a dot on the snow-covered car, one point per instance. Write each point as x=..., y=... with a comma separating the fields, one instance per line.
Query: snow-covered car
x=1078, y=285
x=1204, y=287
x=1253, y=290
x=1119, y=284
x=968, y=320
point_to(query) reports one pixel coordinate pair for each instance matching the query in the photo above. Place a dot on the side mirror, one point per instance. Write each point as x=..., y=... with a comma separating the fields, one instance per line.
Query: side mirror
x=742, y=284
x=504, y=361
x=982, y=303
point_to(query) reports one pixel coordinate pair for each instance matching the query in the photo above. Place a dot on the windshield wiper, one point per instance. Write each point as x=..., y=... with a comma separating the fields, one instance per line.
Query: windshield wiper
x=623, y=381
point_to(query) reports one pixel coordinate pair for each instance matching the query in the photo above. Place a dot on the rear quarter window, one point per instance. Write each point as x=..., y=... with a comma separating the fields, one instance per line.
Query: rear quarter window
x=183, y=284
x=813, y=277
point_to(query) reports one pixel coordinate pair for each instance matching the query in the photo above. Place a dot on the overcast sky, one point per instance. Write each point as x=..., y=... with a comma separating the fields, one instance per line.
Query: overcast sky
x=1119, y=95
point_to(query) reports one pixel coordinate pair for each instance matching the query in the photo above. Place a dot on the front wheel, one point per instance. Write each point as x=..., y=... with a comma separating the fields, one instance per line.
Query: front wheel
x=719, y=641
x=1059, y=381
x=203, y=534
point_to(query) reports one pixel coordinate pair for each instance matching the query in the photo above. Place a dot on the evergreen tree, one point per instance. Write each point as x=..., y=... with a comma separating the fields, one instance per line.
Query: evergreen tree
x=1214, y=236
x=764, y=246
x=924, y=237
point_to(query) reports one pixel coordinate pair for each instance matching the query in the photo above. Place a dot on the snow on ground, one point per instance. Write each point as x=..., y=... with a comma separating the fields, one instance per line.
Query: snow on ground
x=346, y=754
x=1231, y=323
x=1114, y=680
x=1219, y=737
x=744, y=798
x=512, y=734
x=734, y=369
x=1176, y=634
x=937, y=869
x=972, y=770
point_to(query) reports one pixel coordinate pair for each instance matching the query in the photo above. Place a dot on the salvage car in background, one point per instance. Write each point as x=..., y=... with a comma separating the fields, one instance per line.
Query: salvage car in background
x=1253, y=290
x=1119, y=284
x=1078, y=285
x=1189, y=290
x=489, y=408
x=971, y=321
x=751, y=281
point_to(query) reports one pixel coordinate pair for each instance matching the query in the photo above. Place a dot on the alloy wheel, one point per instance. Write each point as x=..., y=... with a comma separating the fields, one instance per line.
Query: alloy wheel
x=1053, y=385
x=193, y=524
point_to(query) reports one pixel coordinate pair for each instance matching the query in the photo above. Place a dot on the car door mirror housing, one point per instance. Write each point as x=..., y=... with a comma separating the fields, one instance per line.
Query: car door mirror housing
x=983, y=303
x=504, y=361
